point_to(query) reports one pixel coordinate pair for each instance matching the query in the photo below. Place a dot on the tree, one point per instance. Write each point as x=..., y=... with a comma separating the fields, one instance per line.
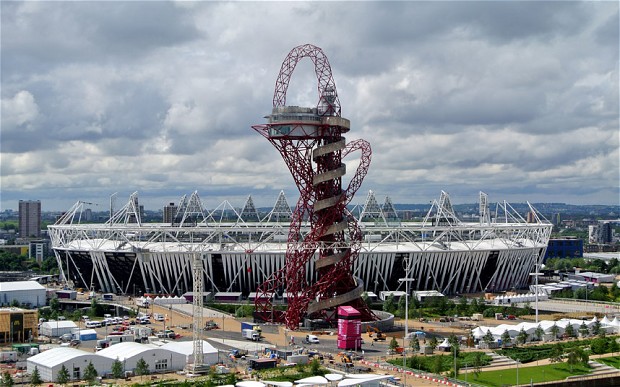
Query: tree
x=505, y=338
x=454, y=344
x=7, y=379
x=539, y=332
x=63, y=375
x=142, y=368
x=117, y=369
x=35, y=378
x=389, y=305
x=613, y=345
x=393, y=343
x=90, y=373
x=488, y=337
x=555, y=330
x=437, y=365
x=55, y=304
x=315, y=366
x=596, y=328
x=522, y=336
x=576, y=355
x=401, y=307
x=570, y=330
x=556, y=353
x=433, y=342
x=477, y=364
x=414, y=343
x=583, y=329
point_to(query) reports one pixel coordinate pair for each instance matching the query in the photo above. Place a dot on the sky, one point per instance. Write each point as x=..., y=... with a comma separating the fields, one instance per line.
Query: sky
x=518, y=99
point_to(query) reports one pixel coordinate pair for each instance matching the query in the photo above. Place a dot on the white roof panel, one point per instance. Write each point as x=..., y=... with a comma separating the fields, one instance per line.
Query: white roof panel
x=126, y=350
x=59, y=324
x=187, y=347
x=20, y=285
x=55, y=356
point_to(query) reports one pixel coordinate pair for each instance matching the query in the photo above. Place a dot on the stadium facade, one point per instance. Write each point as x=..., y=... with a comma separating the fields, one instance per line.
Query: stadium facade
x=239, y=248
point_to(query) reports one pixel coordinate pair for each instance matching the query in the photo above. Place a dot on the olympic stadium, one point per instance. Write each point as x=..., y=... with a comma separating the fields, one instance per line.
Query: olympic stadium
x=240, y=248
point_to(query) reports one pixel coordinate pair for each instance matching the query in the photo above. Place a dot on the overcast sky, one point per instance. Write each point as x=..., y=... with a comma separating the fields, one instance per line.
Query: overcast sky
x=517, y=99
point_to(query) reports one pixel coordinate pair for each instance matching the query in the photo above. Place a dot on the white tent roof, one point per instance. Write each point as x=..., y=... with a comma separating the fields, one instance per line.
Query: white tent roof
x=187, y=347
x=313, y=380
x=126, y=350
x=249, y=383
x=333, y=377
x=605, y=320
x=351, y=381
x=55, y=356
x=20, y=285
x=59, y=324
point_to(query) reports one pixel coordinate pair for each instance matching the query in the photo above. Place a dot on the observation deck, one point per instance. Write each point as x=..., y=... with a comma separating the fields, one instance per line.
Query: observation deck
x=303, y=123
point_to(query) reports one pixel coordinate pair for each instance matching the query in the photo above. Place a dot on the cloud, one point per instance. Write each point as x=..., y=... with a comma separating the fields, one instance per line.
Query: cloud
x=519, y=99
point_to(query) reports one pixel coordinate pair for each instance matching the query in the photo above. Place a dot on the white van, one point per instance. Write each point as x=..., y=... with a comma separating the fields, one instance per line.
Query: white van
x=93, y=324
x=311, y=339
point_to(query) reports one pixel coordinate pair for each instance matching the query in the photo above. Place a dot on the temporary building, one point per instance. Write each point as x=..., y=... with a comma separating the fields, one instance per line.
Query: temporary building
x=50, y=362
x=85, y=334
x=186, y=348
x=158, y=359
x=56, y=328
x=24, y=292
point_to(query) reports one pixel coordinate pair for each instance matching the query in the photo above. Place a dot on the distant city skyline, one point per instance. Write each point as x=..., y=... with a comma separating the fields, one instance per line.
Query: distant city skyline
x=516, y=99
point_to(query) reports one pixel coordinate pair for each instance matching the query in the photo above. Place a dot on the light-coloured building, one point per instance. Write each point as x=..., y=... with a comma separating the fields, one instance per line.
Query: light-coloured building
x=18, y=325
x=56, y=328
x=29, y=293
x=158, y=359
x=50, y=362
x=186, y=348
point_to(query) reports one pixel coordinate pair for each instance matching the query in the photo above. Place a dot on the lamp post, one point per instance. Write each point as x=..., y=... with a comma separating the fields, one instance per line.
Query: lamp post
x=536, y=275
x=406, y=281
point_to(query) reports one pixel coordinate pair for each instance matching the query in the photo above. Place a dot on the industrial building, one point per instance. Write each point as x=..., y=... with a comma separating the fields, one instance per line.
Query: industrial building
x=18, y=325
x=27, y=293
x=159, y=359
x=173, y=356
x=569, y=247
x=186, y=348
x=57, y=328
x=50, y=362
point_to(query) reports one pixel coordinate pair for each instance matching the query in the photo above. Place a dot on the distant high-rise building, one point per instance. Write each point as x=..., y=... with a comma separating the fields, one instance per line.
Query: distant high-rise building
x=602, y=232
x=556, y=219
x=169, y=213
x=29, y=218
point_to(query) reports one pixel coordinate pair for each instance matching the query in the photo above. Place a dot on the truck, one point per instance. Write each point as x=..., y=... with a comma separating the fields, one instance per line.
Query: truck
x=250, y=334
x=249, y=325
x=8, y=356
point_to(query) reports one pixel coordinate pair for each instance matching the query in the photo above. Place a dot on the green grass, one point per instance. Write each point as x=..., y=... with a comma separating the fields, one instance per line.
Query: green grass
x=536, y=374
x=613, y=361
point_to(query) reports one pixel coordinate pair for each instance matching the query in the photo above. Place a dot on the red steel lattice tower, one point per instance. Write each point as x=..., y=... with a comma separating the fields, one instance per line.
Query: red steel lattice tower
x=312, y=145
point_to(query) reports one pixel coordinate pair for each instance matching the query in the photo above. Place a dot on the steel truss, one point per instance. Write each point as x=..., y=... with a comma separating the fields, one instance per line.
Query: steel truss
x=495, y=254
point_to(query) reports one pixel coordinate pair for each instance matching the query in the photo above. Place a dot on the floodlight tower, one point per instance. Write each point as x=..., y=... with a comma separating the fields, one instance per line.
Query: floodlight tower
x=311, y=142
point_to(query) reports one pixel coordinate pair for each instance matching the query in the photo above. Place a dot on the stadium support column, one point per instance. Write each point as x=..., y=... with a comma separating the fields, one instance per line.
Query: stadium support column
x=197, y=303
